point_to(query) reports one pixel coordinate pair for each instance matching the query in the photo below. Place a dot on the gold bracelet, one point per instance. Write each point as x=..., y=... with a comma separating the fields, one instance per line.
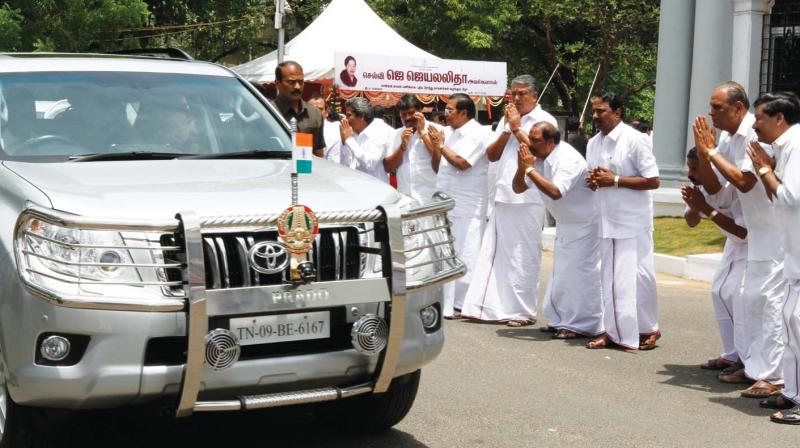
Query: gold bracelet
x=528, y=170
x=712, y=153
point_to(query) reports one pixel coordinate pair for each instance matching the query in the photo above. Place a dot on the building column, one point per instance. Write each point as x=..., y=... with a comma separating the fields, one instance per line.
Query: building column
x=748, y=22
x=673, y=75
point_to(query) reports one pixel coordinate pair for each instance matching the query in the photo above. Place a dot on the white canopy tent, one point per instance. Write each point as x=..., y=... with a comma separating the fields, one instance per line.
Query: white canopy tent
x=344, y=26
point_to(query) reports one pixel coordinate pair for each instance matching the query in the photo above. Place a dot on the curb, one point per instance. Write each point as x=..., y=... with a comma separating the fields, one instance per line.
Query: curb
x=700, y=267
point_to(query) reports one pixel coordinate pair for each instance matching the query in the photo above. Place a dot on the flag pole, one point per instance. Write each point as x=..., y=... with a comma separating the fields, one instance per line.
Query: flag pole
x=293, y=124
x=589, y=95
x=548, y=81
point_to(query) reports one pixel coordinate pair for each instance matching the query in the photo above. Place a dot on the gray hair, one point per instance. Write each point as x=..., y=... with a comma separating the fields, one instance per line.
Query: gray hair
x=360, y=107
x=527, y=80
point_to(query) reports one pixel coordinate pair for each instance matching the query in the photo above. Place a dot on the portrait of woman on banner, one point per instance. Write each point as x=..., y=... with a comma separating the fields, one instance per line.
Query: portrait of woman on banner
x=348, y=75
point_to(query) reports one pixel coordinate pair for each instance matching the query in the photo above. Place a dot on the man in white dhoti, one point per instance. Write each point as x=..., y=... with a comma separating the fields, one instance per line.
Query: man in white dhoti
x=777, y=118
x=364, y=141
x=623, y=169
x=724, y=210
x=572, y=303
x=506, y=278
x=764, y=283
x=459, y=157
x=411, y=150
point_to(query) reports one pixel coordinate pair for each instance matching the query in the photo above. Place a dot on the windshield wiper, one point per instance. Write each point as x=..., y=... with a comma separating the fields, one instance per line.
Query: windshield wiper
x=249, y=154
x=129, y=155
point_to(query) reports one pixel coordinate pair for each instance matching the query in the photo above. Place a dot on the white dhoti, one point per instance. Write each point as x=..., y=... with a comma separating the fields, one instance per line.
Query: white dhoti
x=506, y=276
x=726, y=296
x=763, y=295
x=629, y=288
x=791, y=352
x=573, y=300
x=467, y=232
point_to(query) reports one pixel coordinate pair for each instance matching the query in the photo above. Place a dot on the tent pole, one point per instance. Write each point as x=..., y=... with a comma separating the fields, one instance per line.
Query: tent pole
x=279, y=9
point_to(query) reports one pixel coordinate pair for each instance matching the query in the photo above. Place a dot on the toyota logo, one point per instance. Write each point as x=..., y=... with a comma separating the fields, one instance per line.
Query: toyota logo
x=268, y=257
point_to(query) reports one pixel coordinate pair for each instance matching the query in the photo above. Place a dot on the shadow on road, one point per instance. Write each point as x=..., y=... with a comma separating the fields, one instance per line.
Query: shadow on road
x=286, y=427
x=526, y=334
x=748, y=406
x=694, y=378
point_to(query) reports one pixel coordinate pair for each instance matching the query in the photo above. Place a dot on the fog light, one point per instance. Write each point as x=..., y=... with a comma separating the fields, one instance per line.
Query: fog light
x=430, y=317
x=55, y=348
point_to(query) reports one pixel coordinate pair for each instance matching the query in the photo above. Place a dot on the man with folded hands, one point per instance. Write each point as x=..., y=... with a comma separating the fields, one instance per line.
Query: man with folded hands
x=764, y=282
x=572, y=303
x=725, y=211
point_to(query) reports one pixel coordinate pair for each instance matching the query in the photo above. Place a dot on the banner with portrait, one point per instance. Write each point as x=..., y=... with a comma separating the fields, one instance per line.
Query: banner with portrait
x=382, y=73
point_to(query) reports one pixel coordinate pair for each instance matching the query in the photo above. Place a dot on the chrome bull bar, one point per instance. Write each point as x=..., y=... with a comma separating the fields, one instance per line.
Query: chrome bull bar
x=196, y=304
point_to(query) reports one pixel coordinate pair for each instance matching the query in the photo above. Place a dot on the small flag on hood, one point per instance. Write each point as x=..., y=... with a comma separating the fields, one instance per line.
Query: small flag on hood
x=302, y=152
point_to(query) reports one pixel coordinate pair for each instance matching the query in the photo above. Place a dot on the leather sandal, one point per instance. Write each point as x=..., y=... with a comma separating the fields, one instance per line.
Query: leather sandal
x=602, y=341
x=737, y=377
x=516, y=323
x=776, y=401
x=548, y=329
x=788, y=416
x=717, y=364
x=648, y=341
x=761, y=389
x=567, y=334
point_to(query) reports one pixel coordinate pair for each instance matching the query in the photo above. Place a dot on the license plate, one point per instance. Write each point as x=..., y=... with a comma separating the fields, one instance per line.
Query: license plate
x=281, y=328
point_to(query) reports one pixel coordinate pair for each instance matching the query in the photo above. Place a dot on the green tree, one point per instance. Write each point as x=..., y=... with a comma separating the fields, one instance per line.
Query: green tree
x=72, y=25
x=10, y=28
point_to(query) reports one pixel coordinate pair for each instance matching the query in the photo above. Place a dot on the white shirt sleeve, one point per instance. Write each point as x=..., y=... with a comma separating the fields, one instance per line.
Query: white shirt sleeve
x=567, y=174
x=645, y=160
x=367, y=154
x=471, y=148
x=788, y=194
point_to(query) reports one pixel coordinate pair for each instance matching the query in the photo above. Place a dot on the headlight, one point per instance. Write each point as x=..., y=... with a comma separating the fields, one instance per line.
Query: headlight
x=68, y=261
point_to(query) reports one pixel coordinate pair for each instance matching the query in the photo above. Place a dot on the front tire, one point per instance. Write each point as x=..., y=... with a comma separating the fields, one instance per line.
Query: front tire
x=379, y=412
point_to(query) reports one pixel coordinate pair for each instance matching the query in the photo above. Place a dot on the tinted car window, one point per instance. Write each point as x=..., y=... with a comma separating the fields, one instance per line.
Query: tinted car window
x=46, y=115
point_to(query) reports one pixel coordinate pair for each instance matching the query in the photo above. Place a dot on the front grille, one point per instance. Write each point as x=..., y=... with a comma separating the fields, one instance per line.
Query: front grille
x=336, y=255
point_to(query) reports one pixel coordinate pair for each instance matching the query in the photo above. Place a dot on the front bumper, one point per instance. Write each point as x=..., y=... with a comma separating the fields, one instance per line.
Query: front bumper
x=112, y=372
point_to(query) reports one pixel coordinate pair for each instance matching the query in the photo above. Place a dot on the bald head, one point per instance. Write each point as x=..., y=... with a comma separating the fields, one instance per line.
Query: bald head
x=544, y=137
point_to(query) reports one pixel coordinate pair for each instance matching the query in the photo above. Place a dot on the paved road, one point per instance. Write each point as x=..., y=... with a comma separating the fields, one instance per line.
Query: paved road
x=495, y=386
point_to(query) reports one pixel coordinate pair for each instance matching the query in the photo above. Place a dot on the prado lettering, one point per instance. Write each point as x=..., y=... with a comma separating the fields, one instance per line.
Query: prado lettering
x=300, y=296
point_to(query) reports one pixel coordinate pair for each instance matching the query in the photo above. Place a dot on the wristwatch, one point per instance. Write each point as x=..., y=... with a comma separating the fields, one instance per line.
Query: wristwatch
x=712, y=214
x=712, y=153
x=528, y=170
x=763, y=170
x=616, y=180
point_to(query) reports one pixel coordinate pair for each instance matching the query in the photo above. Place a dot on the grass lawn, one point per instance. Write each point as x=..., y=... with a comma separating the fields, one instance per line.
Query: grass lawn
x=673, y=237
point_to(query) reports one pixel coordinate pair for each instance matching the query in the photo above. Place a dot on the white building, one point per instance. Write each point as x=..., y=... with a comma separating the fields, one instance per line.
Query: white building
x=703, y=43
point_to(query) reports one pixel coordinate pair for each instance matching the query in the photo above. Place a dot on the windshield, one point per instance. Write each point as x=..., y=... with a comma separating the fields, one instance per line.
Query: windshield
x=57, y=115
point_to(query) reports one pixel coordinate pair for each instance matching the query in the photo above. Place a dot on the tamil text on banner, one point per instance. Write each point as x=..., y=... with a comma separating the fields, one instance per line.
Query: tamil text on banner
x=380, y=73
x=301, y=153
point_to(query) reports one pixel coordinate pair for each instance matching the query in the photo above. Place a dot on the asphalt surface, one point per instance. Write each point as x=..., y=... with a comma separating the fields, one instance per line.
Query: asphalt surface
x=495, y=386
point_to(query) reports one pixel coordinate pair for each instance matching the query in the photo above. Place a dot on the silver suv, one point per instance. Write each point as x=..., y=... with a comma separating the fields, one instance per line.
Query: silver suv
x=142, y=201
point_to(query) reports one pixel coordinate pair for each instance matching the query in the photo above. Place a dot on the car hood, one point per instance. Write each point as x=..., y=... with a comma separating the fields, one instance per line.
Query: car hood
x=158, y=189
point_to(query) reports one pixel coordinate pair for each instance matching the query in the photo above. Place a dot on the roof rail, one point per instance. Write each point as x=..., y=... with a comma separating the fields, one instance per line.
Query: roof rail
x=169, y=53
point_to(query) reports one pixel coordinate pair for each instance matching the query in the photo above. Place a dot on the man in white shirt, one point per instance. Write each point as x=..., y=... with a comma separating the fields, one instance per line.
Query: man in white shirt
x=623, y=170
x=459, y=158
x=410, y=153
x=764, y=282
x=506, y=278
x=777, y=118
x=330, y=129
x=572, y=302
x=725, y=211
x=365, y=144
